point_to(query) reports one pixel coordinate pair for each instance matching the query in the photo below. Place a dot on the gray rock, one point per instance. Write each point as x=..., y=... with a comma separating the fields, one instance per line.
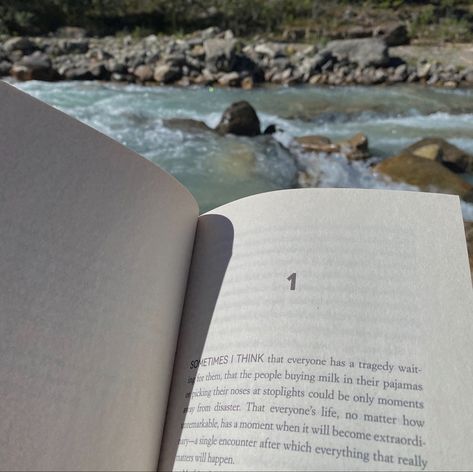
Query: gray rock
x=167, y=73
x=314, y=64
x=23, y=44
x=469, y=76
x=176, y=59
x=220, y=54
x=80, y=72
x=99, y=71
x=364, y=52
x=5, y=67
x=230, y=79
x=271, y=50
x=77, y=46
x=400, y=73
x=281, y=63
x=423, y=70
x=210, y=32
x=143, y=73
x=36, y=66
x=151, y=57
x=116, y=67
x=99, y=54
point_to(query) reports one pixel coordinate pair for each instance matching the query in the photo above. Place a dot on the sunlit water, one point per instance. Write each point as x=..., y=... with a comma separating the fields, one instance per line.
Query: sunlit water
x=220, y=169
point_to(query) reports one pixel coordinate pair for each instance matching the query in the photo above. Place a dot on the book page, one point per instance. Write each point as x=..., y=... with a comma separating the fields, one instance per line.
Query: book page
x=325, y=329
x=95, y=245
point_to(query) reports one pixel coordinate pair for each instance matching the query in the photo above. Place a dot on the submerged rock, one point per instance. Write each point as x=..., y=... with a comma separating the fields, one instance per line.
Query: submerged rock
x=187, y=125
x=315, y=143
x=439, y=149
x=428, y=175
x=239, y=118
x=354, y=149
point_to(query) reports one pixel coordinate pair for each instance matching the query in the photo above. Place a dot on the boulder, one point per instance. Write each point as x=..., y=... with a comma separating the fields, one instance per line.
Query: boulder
x=428, y=175
x=395, y=34
x=167, y=73
x=469, y=241
x=219, y=54
x=23, y=44
x=143, y=73
x=364, y=52
x=439, y=149
x=37, y=66
x=239, y=118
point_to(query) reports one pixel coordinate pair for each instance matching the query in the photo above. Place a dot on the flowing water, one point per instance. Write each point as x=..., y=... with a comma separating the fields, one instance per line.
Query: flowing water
x=220, y=169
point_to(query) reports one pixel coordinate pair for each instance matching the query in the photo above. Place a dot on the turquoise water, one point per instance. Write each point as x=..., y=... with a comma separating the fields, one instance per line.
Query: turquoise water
x=220, y=169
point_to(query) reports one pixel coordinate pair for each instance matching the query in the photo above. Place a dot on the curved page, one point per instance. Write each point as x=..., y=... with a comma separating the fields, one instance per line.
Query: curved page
x=95, y=244
x=325, y=329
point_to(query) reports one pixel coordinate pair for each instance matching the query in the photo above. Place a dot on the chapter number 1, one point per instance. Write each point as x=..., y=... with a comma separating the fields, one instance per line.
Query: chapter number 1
x=292, y=279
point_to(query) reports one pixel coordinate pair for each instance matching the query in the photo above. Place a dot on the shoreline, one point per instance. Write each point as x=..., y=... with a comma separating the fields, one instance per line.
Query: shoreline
x=217, y=58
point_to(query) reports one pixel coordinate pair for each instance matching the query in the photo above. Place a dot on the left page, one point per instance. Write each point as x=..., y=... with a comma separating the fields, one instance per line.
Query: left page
x=95, y=245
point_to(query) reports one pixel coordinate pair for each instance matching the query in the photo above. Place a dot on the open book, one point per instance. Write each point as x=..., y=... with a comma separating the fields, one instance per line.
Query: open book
x=292, y=330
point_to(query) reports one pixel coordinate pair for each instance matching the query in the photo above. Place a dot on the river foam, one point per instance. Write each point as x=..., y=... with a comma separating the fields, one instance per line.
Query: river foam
x=220, y=169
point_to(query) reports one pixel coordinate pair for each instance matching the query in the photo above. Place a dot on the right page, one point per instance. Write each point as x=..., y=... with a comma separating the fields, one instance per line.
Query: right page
x=325, y=329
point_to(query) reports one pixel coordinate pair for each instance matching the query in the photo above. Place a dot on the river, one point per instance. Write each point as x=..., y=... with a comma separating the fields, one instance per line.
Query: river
x=220, y=169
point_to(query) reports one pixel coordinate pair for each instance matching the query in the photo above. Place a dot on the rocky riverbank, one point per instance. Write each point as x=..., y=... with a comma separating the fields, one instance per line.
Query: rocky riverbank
x=212, y=57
